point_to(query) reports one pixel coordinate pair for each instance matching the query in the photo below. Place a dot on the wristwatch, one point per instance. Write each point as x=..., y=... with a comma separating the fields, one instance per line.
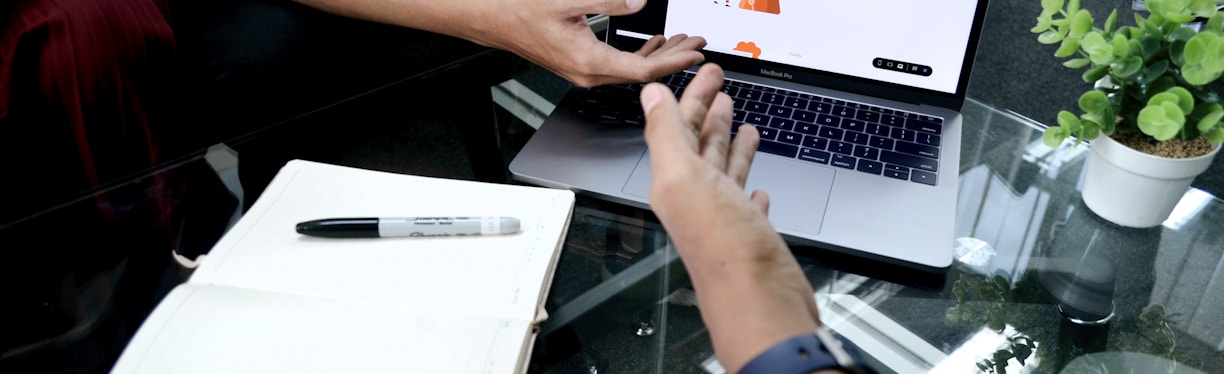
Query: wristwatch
x=808, y=353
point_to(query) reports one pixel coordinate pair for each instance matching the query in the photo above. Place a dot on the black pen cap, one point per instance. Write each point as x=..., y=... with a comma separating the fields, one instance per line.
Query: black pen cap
x=340, y=228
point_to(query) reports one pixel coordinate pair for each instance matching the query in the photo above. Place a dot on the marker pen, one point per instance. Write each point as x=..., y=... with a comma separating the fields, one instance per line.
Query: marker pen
x=386, y=227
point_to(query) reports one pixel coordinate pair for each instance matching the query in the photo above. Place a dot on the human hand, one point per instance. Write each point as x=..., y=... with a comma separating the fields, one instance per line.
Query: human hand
x=556, y=36
x=750, y=290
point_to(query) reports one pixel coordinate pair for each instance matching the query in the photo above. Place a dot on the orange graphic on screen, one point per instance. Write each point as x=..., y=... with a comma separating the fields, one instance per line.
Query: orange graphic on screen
x=767, y=6
x=749, y=47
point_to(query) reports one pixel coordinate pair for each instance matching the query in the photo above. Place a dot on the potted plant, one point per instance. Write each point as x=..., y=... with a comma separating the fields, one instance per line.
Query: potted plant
x=1155, y=97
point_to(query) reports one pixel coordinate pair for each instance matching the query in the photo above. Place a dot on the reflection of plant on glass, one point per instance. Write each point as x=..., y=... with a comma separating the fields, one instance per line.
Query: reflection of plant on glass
x=1151, y=333
x=1164, y=74
x=993, y=302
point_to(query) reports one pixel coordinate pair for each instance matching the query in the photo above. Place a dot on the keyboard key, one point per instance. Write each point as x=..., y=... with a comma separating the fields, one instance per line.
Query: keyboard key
x=820, y=107
x=921, y=163
x=773, y=98
x=866, y=153
x=782, y=123
x=843, y=111
x=796, y=103
x=812, y=155
x=831, y=132
x=756, y=107
x=790, y=137
x=828, y=120
x=780, y=149
x=917, y=149
x=749, y=94
x=780, y=111
x=881, y=143
x=923, y=177
x=807, y=128
x=804, y=116
x=815, y=142
x=878, y=129
x=923, y=126
x=902, y=175
x=840, y=147
x=903, y=134
x=867, y=116
x=853, y=125
x=738, y=116
x=767, y=133
x=842, y=161
x=856, y=137
x=730, y=90
x=759, y=119
x=868, y=166
x=897, y=168
x=892, y=120
x=928, y=139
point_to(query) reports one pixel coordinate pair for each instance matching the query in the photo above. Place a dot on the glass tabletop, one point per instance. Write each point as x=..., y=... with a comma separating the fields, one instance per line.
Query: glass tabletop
x=1039, y=278
x=1040, y=284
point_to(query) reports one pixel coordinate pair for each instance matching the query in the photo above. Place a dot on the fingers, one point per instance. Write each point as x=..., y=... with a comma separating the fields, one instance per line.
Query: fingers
x=761, y=199
x=743, y=149
x=608, y=7
x=715, y=136
x=609, y=65
x=665, y=135
x=652, y=45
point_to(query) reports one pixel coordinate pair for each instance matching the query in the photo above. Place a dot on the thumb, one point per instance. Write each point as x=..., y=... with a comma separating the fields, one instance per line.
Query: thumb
x=612, y=7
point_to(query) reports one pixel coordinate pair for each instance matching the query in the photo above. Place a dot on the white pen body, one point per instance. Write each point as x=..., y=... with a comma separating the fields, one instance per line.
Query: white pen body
x=446, y=226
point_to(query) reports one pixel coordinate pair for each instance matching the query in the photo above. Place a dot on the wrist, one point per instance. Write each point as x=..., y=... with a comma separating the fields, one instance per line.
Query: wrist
x=815, y=352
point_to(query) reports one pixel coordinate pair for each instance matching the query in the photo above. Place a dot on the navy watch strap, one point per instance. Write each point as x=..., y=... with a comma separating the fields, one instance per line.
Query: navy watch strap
x=805, y=354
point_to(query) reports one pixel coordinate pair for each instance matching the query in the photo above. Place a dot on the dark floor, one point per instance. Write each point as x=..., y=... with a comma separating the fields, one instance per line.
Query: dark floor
x=1012, y=71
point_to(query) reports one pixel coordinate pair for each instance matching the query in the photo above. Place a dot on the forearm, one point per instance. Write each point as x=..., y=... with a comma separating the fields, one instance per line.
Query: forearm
x=752, y=293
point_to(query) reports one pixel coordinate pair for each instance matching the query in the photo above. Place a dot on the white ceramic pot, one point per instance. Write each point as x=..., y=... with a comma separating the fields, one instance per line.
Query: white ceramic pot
x=1135, y=189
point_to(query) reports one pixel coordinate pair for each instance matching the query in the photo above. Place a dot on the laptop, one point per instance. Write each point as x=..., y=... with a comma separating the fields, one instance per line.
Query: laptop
x=857, y=103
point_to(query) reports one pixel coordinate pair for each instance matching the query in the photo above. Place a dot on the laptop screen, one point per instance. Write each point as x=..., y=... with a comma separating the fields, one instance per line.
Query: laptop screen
x=916, y=44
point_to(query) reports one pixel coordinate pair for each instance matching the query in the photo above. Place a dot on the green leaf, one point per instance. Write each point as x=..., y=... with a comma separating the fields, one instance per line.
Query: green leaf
x=1216, y=22
x=1214, y=61
x=1150, y=27
x=1099, y=51
x=1095, y=74
x=1203, y=8
x=1052, y=6
x=1081, y=23
x=1210, y=116
x=1198, y=75
x=1185, y=100
x=1196, y=49
x=1049, y=37
x=1077, y=63
x=1161, y=121
x=1121, y=46
x=1154, y=71
x=1177, y=52
x=1054, y=136
x=1043, y=23
x=1215, y=135
x=1111, y=22
x=1069, y=47
x=1070, y=122
x=1128, y=67
x=1182, y=33
x=1093, y=102
x=1150, y=44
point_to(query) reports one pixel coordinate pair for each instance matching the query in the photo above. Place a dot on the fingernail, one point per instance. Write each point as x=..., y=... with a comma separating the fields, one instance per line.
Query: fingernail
x=634, y=5
x=650, y=97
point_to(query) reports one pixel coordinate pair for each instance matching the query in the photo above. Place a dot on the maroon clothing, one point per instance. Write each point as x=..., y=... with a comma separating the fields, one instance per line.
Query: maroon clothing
x=81, y=83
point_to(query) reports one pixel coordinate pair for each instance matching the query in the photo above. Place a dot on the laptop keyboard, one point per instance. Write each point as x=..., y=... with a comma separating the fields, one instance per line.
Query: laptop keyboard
x=817, y=129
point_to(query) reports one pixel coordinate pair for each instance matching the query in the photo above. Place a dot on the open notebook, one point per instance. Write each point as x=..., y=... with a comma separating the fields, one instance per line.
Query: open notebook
x=267, y=299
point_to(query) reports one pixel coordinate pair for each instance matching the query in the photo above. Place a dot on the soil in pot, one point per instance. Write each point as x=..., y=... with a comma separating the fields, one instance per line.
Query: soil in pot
x=1172, y=148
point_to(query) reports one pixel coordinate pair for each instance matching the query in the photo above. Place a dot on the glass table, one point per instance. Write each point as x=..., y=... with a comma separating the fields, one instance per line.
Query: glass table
x=1040, y=285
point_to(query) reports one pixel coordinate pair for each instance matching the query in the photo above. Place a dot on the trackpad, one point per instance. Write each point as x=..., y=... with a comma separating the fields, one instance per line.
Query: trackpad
x=798, y=192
